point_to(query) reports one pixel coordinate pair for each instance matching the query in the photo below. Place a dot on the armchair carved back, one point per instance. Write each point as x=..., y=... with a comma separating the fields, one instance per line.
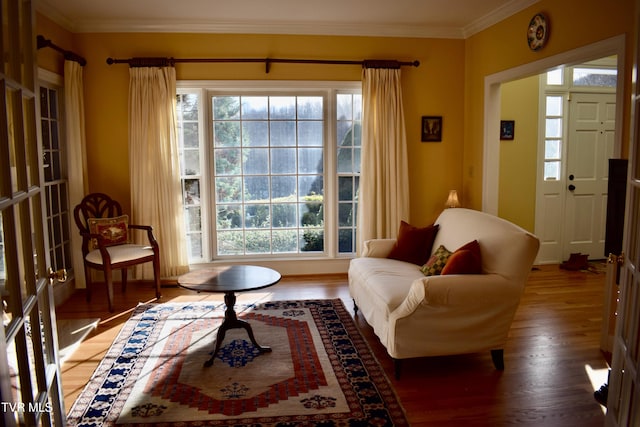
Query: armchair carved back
x=94, y=205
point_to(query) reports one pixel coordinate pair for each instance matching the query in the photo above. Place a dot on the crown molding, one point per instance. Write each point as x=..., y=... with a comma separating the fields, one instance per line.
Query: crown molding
x=500, y=14
x=285, y=28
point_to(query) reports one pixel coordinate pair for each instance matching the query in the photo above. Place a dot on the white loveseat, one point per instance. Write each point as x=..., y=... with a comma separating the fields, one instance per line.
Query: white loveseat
x=415, y=315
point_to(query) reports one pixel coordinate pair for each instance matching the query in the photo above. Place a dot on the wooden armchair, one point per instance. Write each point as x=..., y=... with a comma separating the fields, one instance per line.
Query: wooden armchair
x=106, y=242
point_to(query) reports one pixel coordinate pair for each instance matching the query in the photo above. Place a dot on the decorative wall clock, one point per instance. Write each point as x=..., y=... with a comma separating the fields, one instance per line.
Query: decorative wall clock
x=538, y=32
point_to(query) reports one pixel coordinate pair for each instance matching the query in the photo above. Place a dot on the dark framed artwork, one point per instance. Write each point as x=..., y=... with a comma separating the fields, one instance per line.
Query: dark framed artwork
x=507, y=129
x=431, y=128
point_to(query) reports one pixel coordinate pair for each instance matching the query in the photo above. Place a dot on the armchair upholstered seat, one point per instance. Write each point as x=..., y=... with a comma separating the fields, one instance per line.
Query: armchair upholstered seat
x=107, y=242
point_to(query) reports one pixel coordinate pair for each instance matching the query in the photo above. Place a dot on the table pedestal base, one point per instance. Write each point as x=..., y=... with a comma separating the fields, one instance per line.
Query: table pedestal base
x=231, y=321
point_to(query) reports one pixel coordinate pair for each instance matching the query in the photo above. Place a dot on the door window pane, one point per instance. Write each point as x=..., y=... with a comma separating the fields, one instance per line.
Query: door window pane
x=599, y=77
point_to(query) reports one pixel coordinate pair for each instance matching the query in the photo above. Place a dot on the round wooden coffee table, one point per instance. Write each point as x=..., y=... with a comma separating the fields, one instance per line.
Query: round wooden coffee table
x=230, y=279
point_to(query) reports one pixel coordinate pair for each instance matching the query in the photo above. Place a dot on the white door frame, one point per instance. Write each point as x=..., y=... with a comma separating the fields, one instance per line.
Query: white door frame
x=491, y=139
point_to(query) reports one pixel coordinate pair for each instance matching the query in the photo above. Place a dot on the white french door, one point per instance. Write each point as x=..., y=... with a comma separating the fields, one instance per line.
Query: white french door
x=30, y=384
x=623, y=405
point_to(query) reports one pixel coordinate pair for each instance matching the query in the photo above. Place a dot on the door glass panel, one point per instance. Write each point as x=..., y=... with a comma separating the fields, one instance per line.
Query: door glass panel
x=628, y=302
x=552, y=149
x=554, y=106
x=553, y=128
x=552, y=170
x=633, y=237
x=31, y=155
x=636, y=171
x=11, y=129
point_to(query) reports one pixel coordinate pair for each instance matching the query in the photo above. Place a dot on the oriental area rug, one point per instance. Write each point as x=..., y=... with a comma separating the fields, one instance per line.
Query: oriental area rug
x=320, y=371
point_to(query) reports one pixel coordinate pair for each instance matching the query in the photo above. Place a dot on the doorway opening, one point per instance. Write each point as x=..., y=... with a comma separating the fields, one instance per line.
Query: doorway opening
x=496, y=199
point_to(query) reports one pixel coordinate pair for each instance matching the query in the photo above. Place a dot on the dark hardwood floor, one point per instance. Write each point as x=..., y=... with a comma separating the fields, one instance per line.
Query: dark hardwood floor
x=554, y=342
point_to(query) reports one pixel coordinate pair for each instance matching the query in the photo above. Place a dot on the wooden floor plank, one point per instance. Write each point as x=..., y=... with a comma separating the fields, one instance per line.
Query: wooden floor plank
x=554, y=338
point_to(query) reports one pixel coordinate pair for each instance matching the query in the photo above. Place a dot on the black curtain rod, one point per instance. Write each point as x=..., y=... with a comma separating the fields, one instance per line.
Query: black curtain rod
x=170, y=62
x=42, y=42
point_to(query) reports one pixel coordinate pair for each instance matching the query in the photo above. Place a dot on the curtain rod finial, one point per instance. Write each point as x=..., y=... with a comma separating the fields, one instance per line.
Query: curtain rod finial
x=42, y=42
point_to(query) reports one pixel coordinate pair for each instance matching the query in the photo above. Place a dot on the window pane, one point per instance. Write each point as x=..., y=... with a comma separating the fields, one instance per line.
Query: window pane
x=191, y=191
x=346, y=240
x=283, y=187
x=344, y=110
x=284, y=215
x=554, y=77
x=189, y=133
x=258, y=242
x=283, y=133
x=310, y=185
x=310, y=160
x=345, y=214
x=226, y=107
x=282, y=107
x=345, y=188
x=228, y=162
x=554, y=106
x=283, y=160
x=194, y=222
x=256, y=161
x=229, y=216
x=230, y=242
x=257, y=216
x=254, y=107
x=552, y=170
x=553, y=128
x=310, y=107
x=227, y=134
x=188, y=106
x=312, y=240
x=256, y=188
x=599, y=77
x=255, y=134
x=345, y=133
x=552, y=149
x=345, y=160
x=310, y=133
x=194, y=245
x=191, y=162
x=285, y=241
x=229, y=189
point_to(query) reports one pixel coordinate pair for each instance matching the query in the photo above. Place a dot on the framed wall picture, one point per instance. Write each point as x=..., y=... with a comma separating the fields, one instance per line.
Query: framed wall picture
x=507, y=129
x=431, y=128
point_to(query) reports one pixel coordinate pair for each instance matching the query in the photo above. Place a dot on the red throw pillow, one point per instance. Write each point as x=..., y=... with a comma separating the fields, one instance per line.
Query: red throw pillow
x=414, y=244
x=465, y=260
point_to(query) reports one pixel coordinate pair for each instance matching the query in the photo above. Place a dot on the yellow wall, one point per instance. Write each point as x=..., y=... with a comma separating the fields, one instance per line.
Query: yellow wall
x=518, y=157
x=448, y=83
x=434, y=168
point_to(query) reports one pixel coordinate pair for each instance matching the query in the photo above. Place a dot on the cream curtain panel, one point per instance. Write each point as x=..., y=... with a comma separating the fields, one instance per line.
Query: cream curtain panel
x=76, y=153
x=154, y=166
x=384, y=180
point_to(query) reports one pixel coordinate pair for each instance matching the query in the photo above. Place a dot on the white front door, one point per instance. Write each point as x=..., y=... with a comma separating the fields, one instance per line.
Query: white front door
x=590, y=146
x=30, y=384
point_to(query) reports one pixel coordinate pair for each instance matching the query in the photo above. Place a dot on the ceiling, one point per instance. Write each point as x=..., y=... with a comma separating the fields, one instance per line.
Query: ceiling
x=387, y=18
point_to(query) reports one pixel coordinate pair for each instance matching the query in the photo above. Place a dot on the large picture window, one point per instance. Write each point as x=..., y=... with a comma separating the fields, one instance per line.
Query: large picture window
x=270, y=173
